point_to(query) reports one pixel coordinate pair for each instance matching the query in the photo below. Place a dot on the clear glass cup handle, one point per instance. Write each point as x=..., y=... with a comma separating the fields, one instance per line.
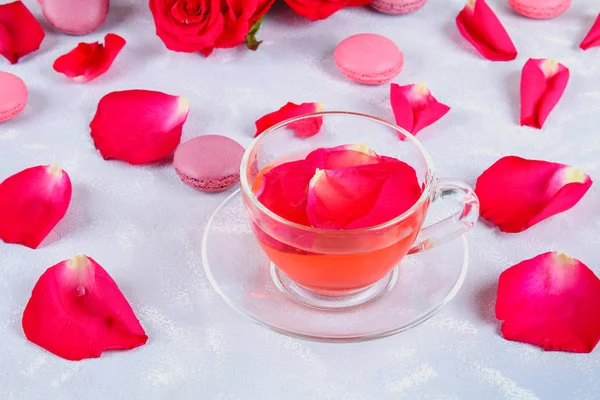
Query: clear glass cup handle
x=455, y=225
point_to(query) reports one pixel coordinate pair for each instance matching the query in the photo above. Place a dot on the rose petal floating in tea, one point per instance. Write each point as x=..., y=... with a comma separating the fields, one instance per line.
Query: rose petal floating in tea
x=89, y=60
x=351, y=155
x=32, y=202
x=551, y=301
x=138, y=126
x=415, y=107
x=20, y=32
x=77, y=311
x=516, y=193
x=482, y=28
x=592, y=39
x=304, y=128
x=361, y=196
x=543, y=83
x=284, y=188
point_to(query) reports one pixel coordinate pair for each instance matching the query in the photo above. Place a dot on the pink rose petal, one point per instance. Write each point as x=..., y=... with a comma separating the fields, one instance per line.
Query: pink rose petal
x=415, y=107
x=32, y=202
x=516, y=193
x=138, y=126
x=77, y=311
x=482, y=28
x=88, y=61
x=592, y=39
x=551, y=301
x=543, y=83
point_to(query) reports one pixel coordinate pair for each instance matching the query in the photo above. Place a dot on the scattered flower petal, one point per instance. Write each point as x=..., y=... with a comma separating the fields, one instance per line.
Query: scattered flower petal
x=305, y=128
x=551, y=301
x=90, y=60
x=283, y=190
x=20, y=32
x=516, y=193
x=593, y=37
x=322, y=9
x=77, y=311
x=361, y=196
x=415, y=107
x=32, y=202
x=482, y=28
x=138, y=126
x=543, y=83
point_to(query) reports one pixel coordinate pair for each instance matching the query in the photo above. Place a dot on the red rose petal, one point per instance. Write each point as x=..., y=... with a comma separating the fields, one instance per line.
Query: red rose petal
x=543, y=83
x=305, y=128
x=138, y=126
x=322, y=9
x=482, y=28
x=88, y=61
x=32, y=202
x=516, y=193
x=415, y=107
x=20, y=32
x=362, y=196
x=77, y=311
x=343, y=156
x=552, y=301
x=283, y=190
x=592, y=39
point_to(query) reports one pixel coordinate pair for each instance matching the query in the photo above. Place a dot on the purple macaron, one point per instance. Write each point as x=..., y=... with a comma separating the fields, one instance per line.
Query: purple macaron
x=210, y=163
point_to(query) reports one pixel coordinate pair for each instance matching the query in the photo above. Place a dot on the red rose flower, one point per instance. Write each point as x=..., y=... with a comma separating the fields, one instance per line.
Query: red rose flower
x=321, y=9
x=203, y=25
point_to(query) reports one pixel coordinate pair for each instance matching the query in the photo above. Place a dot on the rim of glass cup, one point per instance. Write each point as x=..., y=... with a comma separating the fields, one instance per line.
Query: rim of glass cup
x=247, y=189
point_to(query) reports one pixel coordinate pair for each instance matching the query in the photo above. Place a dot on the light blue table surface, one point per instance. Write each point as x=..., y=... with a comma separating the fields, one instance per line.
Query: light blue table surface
x=145, y=227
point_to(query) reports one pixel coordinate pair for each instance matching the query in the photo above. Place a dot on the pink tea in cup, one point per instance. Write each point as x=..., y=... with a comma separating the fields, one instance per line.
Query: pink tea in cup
x=339, y=192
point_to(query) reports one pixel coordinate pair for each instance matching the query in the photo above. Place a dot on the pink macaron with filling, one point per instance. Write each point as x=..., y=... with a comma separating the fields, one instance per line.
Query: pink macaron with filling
x=540, y=9
x=369, y=59
x=210, y=163
x=13, y=96
x=75, y=17
x=397, y=6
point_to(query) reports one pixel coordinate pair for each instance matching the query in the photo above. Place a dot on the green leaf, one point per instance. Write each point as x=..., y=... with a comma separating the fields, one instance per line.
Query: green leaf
x=251, y=41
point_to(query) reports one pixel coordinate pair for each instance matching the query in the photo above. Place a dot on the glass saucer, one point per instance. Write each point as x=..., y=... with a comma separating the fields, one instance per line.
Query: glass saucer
x=243, y=275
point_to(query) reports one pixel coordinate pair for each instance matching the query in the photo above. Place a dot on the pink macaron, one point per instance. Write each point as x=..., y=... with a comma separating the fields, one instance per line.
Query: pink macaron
x=75, y=17
x=540, y=9
x=397, y=6
x=369, y=59
x=209, y=163
x=13, y=96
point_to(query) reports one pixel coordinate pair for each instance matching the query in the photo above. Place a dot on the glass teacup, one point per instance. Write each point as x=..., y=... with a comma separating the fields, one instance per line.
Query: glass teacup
x=334, y=269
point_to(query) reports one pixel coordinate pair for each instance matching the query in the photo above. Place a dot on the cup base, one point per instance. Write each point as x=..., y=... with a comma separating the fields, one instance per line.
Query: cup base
x=334, y=300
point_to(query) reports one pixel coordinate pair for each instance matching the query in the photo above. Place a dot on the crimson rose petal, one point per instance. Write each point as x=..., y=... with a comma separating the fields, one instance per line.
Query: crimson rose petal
x=361, y=196
x=20, y=32
x=543, y=83
x=482, y=28
x=592, y=39
x=551, y=301
x=305, y=128
x=88, y=61
x=321, y=9
x=32, y=202
x=516, y=193
x=415, y=107
x=138, y=126
x=77, y=311
x=283, y=190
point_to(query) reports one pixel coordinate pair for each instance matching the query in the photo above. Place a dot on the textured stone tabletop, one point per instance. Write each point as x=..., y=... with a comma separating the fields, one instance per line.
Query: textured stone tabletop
x=145, y=227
